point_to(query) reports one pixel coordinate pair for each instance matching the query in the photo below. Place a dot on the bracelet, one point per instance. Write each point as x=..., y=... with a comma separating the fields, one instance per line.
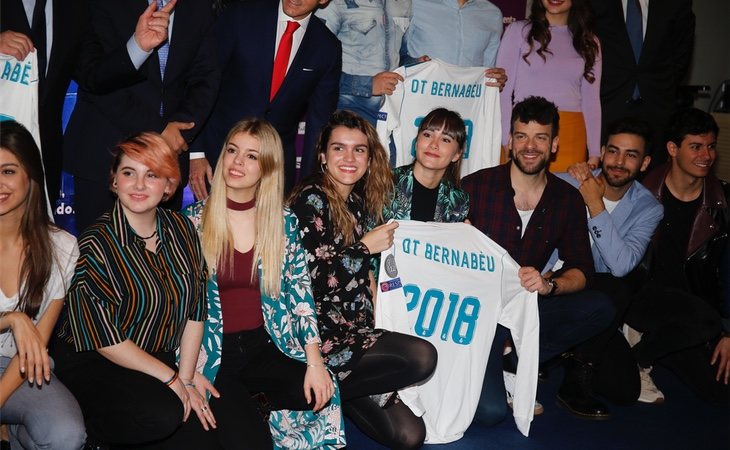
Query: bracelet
x=172, y=379
x=315, y=365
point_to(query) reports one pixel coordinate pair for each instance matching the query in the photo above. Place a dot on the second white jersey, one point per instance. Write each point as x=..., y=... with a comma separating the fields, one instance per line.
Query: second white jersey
x=450, y=284
x=436, y=84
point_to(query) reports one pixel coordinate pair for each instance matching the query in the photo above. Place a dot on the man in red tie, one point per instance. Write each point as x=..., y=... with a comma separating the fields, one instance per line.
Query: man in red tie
x=280, y=63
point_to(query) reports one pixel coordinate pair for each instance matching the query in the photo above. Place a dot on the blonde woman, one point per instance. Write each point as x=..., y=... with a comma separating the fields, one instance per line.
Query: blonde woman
x=334, y=206
x=261, y=335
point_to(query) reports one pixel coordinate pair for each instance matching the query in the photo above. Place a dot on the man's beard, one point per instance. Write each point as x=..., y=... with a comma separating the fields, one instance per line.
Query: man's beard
x=621, y=182
x=540, y=164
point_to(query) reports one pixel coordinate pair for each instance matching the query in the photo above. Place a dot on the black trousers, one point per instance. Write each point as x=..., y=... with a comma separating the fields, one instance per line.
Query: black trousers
x=616, y=376
x=251, y=364
x=680, y=331
x=124, y=408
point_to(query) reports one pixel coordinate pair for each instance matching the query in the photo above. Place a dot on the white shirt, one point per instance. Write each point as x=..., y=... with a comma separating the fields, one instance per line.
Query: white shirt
x=29, y=6
x=644, y=13
x=450, y=284
x=281, y=22
x=436, y=84
x=65, y=254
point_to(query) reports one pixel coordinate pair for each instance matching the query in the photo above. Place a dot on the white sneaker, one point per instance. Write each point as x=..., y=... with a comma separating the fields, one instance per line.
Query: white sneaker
x=509, y=386
x=649, y=392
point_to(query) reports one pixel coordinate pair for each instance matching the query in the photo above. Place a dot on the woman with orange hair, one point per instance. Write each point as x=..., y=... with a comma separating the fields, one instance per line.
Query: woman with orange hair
x=137, y=298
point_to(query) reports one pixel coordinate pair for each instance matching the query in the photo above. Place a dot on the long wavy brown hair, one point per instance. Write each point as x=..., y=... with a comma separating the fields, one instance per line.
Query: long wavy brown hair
x=580, y=25
x=375, y=186
x=35, y=225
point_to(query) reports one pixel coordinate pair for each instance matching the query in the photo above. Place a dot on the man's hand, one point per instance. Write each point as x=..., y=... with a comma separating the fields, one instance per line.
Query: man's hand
x=721, y=357
x=592, y=190
x=173, y=136
x=15, y=44
x=533, y=281
x=385, y=83
x=152, y=25
x=593, y=162
x=200, y=171
x=498, y=76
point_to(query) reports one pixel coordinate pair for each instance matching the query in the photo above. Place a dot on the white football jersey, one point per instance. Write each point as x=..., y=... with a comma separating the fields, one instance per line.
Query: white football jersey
x=19, y=92
x=450, y=284
x=436, y=84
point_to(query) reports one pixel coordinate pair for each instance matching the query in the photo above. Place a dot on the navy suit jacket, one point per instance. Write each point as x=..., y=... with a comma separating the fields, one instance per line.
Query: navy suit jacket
x=70, y=22
x=246, y=33
x=116, y=100
x=665, y=58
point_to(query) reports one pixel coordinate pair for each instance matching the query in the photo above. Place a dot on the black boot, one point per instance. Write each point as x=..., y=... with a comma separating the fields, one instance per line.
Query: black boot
x=576, y=393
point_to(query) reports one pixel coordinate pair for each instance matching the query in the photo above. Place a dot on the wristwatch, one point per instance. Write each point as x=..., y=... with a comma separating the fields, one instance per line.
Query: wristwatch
x=552, y=284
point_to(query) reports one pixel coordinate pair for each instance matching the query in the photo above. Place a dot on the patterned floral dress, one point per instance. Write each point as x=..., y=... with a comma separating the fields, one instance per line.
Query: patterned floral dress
x=340, y=281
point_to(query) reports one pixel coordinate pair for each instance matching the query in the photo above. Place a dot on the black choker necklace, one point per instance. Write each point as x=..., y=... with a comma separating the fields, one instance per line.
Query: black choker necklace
x=148, y=237
x=237, y=206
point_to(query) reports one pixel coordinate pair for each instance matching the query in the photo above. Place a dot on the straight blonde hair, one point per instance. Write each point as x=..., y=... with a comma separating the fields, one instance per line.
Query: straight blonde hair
x=217, y=238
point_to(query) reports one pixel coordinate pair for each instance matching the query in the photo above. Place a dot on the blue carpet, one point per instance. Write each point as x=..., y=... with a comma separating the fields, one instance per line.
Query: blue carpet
x=682, y=422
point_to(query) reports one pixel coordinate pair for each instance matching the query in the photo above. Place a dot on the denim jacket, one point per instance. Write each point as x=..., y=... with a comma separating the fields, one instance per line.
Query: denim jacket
x=371, y=32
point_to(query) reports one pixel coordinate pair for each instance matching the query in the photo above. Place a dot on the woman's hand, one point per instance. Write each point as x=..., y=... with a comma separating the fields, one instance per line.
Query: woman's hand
x=318, y=380
x=380, y=238
x=197, y=388
x=32, y=355
x=181, y=391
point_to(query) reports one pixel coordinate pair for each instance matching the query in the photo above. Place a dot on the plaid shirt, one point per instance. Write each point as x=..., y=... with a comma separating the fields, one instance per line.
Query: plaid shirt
x=558, y=222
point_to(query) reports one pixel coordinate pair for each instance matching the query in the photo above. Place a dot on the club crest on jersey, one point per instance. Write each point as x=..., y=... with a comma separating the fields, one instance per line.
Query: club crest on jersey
x=386, y=286
x=390, y=268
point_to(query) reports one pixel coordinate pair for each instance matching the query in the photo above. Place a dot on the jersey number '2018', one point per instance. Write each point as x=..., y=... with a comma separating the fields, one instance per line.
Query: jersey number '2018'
x=430, y=305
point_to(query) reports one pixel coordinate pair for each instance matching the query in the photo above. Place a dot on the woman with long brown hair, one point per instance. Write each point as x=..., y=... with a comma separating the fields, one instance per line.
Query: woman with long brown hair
x=554, y=54
x=334, y=207
x=37, y=260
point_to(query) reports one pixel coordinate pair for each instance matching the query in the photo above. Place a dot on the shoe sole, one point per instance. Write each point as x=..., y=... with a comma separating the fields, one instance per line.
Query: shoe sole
x=539, y=409
x=658, y=401
x=563, y=404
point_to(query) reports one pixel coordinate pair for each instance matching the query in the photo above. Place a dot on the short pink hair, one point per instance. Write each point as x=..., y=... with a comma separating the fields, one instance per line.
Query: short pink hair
x=151, y=150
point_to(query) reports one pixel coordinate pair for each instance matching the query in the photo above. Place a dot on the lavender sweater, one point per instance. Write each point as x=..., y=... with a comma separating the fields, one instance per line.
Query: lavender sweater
x=559, y=79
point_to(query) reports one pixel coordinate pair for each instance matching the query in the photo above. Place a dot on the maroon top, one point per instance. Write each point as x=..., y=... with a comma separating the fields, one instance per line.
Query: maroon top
x=240, y=296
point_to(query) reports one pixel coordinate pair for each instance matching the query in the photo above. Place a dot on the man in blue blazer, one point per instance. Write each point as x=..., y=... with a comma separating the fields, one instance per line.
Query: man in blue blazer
x=622, y=217
x=142, y=68
x=248, y=35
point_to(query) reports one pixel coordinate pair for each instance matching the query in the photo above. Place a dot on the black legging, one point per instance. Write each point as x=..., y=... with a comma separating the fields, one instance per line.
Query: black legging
x=394, y=362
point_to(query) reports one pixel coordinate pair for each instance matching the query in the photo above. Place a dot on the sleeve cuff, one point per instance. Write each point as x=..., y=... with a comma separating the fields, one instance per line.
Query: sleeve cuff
x=136, y=54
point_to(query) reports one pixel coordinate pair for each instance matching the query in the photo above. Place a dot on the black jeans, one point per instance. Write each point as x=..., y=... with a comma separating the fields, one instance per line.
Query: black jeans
x=251, y=364
x=680, y=331
x=125, y=408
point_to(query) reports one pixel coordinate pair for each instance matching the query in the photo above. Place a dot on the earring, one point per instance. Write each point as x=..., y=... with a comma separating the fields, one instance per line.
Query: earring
x=323, y=167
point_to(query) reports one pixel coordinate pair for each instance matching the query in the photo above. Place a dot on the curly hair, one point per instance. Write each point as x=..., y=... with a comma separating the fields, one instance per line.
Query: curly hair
x=580, y=24
x=375, y=186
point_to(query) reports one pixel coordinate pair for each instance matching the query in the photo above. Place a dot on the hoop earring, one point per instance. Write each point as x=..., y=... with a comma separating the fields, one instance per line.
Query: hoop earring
x=323, y=167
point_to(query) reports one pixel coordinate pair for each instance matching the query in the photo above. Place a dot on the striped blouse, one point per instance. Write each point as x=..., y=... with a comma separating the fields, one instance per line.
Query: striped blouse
x=122, y=291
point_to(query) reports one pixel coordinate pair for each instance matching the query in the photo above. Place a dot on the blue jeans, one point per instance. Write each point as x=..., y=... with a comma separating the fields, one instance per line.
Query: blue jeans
x=367, y=107
x=45, y=417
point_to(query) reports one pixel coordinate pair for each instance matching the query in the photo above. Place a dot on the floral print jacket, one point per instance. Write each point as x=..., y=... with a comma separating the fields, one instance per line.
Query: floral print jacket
x=340, y=279
x=291, y=322
x=452, y=203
